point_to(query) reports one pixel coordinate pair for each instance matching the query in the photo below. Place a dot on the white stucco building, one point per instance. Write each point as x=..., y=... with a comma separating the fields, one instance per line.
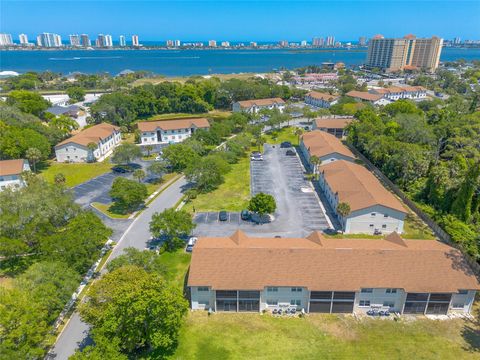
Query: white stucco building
x=10, y=173
x=254, y=106
x=321, y=100
x=395, y=93
x=163, y=132
x=364, y=96
x=324, y=275
x=373, y=209
x=76, y=148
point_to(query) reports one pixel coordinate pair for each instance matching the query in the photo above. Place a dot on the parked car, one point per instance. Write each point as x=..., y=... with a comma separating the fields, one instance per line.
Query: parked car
x=255, y=153
x=122, y=169
x=257, y=157
x=190, y=244
x=158, y=157
x=223, y=215
x=290, y=153
x=286, y=144
x=245, y=215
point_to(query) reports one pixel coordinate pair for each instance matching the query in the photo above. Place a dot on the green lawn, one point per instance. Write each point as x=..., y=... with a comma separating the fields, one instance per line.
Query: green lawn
x=284, y=134
x=232, y=195
x=177, y=264
x=318, y=336
x=214, y=114
x=414, y=228
x=74, y=173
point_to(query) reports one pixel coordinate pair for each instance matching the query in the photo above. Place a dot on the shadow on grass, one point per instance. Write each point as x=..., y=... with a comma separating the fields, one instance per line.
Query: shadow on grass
x=471, y=330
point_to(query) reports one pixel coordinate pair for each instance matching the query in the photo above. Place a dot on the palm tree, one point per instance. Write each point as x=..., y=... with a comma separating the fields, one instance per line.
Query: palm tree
x=259, y=142
x=149, y=148
x=343, y=209
x=33, y=155
x=91, y=148
x=309, y=114
x=315, y=161
x=298, y=132
x=139, y=175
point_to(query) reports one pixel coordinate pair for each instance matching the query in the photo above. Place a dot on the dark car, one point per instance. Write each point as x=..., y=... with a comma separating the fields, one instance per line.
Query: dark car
x=290, y=153
x=122, y=169
x=223, y=215
x=245, y=215
x=286, y=144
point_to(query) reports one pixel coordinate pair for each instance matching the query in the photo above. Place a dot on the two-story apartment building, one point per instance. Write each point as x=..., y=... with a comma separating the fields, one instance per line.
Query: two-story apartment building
x=10, y=173
x=323, y=275
x=333, y=125
x=395, y=93
x=163, y=132
x=105, y=136
x=373, y=208
x=327, y=147
x=365, y=96
x=319, y=99
x=254, y=106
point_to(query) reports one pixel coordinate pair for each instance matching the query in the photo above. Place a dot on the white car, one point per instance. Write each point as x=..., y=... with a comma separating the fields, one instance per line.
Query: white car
x=191, y=244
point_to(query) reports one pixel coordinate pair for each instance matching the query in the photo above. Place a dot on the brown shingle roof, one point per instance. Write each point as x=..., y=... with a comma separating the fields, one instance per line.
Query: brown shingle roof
x=92, y=134
x=11, y=167
x=332, y=123
x=174, y=124
x=320, y=263
x=321, y=143
x=322, y=96
x=260, y=102
x=363, y=95
x=357, y=186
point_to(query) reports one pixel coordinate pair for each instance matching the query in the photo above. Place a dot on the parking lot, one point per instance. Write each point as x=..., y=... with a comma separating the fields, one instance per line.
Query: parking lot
x=95, y=190
x=299, y=210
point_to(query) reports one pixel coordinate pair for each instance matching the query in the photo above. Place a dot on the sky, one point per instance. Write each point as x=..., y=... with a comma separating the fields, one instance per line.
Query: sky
x=242, y=20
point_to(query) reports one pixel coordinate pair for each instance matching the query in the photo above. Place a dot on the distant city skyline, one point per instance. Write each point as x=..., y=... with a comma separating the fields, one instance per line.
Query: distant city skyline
x=242, y=20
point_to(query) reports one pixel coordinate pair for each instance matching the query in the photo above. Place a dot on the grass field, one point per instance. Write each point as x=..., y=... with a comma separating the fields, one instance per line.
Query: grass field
x=232, y=195
x=74, y=173
x=177, y=264
x=214, y=114
x=284, y=134
x=318, y=336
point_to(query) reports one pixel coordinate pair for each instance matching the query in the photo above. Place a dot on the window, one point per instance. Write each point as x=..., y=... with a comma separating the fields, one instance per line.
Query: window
x=296, y=289
x=272, y=302
x=371, y=225
x=295, y=302
x=390, y=304
x=384, y=226
x=391, y=291
x=202, y=288
x=364, y=303
x=145, y=139
x=385, y=215
x=463, y=292
x=367, y=290
x=373, y=214
x=272, y=289
x=458, y=305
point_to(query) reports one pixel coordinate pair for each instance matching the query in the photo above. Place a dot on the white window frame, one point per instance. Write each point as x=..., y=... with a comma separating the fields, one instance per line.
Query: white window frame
x=366, y=290
x=364, y=303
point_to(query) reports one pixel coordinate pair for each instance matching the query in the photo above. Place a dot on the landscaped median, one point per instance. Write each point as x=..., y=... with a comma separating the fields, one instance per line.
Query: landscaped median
x=153, y=191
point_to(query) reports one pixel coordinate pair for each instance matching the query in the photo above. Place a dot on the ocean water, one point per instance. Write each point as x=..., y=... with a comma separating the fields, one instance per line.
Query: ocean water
x=188, y=62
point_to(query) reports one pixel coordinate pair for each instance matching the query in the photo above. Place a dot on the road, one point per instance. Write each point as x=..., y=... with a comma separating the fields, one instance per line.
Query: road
x=75, y=333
